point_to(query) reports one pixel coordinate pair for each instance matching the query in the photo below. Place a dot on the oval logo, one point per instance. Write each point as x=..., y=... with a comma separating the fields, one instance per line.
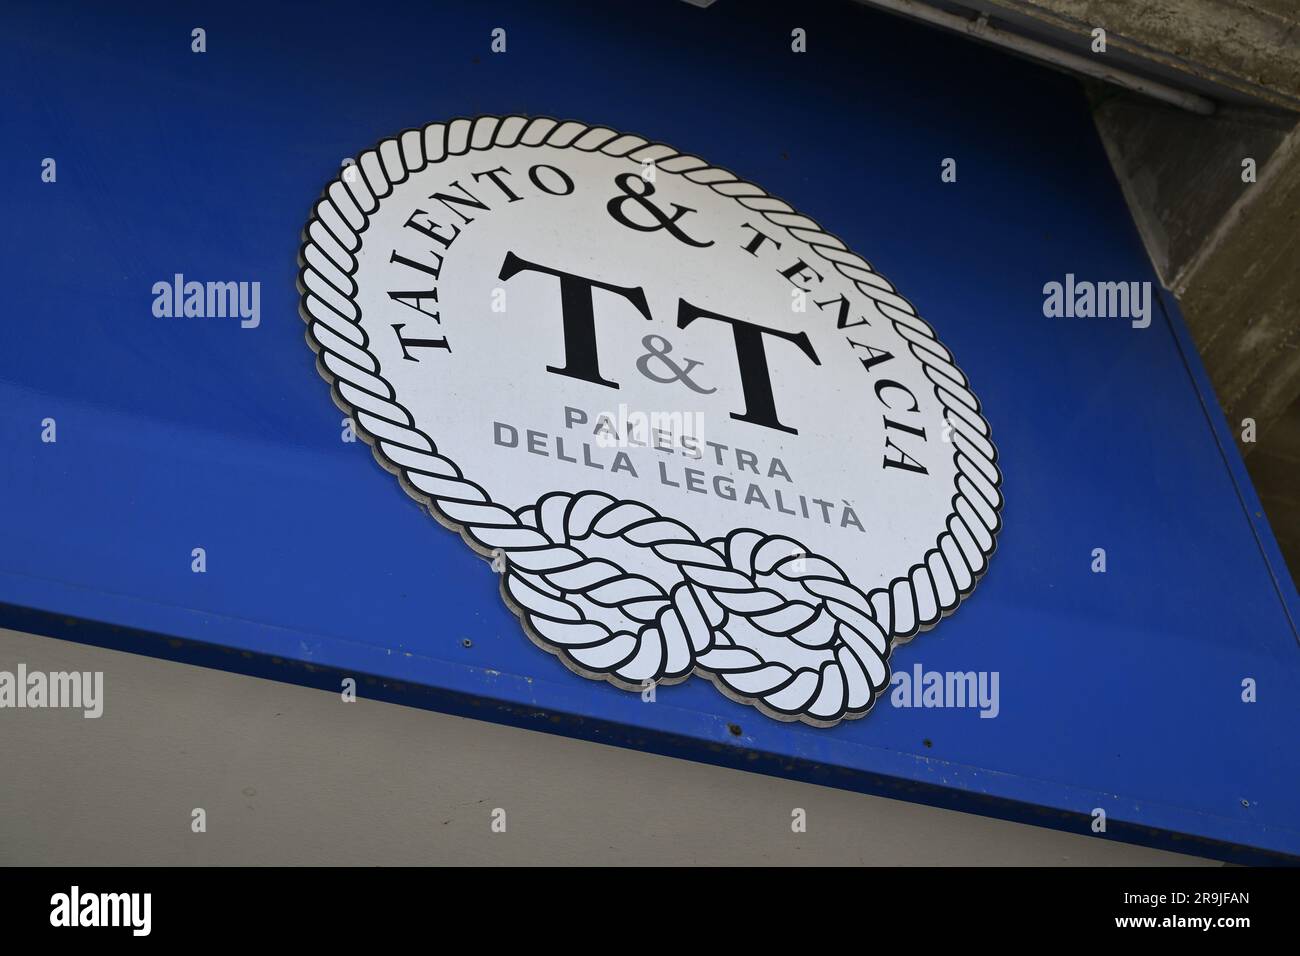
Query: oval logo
x=693, y=431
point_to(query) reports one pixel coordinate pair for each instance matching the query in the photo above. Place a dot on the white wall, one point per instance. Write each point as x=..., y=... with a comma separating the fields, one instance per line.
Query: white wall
x=289, y=775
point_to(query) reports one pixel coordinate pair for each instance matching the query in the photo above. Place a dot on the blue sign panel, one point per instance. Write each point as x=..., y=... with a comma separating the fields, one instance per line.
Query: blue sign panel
x=177, y=481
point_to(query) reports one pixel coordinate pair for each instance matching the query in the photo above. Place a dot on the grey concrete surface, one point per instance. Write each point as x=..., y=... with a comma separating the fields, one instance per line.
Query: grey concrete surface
x=1230, y=250
x=1248, y=47
x=289, y=775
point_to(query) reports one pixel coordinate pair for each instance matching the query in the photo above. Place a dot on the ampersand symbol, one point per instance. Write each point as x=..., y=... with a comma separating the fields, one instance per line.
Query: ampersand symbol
x=625, y=182
x=659, y=347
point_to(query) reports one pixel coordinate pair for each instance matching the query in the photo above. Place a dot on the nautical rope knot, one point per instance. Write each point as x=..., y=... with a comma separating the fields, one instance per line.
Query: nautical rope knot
x=733, y=608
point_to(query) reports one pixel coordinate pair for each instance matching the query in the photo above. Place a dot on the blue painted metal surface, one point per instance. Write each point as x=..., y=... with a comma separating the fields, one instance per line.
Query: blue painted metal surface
x=1118, y=690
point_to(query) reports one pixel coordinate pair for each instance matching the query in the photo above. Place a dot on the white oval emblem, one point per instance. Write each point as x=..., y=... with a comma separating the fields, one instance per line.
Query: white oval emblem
x=694, y=432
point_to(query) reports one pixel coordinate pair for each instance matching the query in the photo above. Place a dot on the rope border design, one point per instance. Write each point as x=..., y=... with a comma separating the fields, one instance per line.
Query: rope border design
x=866, y=626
